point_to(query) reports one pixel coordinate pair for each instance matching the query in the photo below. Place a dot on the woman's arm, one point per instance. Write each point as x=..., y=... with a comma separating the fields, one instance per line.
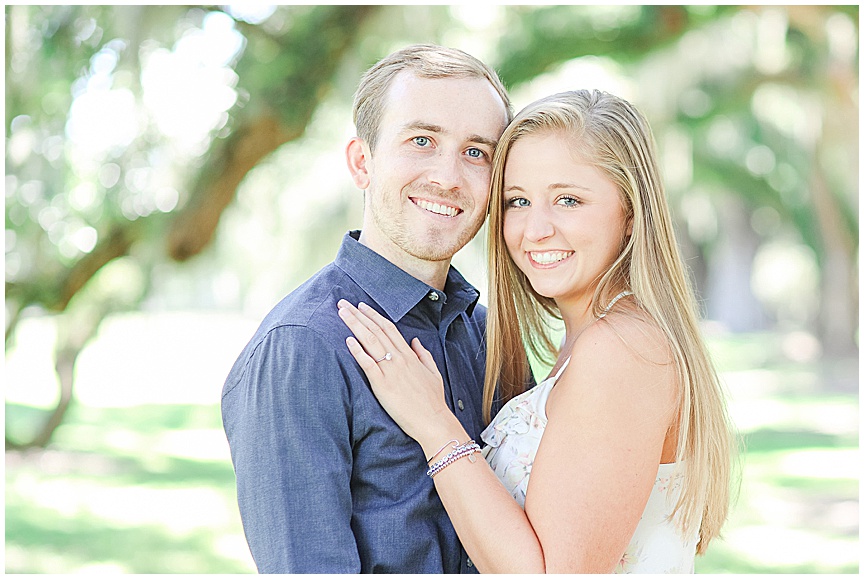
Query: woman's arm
x=594, y=470
x=487, y=519
x=608, y=417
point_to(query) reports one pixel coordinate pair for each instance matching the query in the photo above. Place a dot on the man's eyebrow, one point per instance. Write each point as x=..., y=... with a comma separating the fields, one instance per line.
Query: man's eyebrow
x=483, y=141
x=421, y=126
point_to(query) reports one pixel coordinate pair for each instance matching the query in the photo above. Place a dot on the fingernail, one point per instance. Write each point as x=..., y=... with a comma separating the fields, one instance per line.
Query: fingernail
x=341, y=304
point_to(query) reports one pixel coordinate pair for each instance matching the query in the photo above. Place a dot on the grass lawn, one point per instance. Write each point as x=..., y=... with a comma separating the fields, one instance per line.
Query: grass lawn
x=149, y=488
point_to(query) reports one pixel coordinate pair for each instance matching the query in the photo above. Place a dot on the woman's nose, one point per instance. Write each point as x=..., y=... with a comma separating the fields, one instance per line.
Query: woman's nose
x=538, y=224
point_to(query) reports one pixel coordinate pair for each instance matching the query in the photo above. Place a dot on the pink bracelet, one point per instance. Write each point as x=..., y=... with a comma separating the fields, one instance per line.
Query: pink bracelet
x=460, y=451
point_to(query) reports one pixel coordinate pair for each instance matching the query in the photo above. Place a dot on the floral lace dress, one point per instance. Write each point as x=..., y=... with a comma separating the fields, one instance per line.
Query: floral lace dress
x=512, y=440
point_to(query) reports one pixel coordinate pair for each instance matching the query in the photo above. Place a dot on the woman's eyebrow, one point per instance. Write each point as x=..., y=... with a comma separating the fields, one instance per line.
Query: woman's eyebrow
x=552, y=186
x=568, y=186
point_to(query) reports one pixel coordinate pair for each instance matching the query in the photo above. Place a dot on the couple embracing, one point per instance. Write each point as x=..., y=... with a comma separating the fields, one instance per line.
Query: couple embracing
x=382, y=421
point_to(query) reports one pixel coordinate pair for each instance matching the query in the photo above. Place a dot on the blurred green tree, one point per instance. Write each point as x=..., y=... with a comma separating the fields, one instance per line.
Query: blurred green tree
x=785, y=106
x=67, y=217
x=760, y=100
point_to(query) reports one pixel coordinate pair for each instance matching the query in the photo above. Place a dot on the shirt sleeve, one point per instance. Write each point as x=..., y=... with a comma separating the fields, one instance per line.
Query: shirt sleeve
x=287, y=419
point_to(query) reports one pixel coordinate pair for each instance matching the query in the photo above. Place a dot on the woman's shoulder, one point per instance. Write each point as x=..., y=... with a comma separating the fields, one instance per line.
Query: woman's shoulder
x=627, y=329
x=625, y=348
x=620, y=366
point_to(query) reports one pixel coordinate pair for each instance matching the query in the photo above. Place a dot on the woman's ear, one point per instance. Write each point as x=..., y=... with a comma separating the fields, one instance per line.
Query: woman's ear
x=357, y=155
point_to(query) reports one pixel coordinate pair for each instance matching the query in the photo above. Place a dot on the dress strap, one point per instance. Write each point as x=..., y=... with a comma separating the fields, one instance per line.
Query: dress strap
x=612, y=303
x=602, y=315
x=561, y=369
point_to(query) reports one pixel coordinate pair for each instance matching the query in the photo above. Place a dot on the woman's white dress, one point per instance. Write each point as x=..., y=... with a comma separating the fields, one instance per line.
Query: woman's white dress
x=512, y=439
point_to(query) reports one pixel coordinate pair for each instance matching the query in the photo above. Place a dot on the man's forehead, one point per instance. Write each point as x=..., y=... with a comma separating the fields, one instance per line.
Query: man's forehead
x=407, y=83
x=447, y=104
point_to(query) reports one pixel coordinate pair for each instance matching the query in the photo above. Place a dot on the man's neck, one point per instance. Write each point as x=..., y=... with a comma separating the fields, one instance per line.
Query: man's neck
x=433, y=273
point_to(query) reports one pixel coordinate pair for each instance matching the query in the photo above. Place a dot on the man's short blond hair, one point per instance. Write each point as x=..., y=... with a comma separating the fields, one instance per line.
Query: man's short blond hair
x=425, y=61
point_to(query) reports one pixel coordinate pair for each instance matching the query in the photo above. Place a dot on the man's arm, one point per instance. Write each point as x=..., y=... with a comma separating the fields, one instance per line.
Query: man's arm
x=287, y=418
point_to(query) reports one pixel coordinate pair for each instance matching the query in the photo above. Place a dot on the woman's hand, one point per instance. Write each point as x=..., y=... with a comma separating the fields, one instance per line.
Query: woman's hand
x=404, y=378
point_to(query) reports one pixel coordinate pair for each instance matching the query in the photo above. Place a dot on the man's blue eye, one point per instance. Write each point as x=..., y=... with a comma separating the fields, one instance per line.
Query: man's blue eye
x=476, y=153
x=421, y=141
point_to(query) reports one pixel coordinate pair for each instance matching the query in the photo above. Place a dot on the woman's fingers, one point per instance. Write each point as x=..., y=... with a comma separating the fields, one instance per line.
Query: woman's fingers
x=387, y=327
x=381, y=329
x=424, y=355
x=366, y=362
x=375, y=336
x=370, y=335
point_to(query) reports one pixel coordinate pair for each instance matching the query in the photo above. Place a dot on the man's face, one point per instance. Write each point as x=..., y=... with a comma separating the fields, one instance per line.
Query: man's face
x=428, y=177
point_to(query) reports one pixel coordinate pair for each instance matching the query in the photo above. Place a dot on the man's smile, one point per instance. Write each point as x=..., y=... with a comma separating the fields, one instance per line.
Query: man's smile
x=436, y=208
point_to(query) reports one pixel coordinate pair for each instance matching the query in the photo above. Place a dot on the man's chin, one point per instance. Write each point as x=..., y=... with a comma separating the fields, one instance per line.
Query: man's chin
x=433, y=253
x=436, y=249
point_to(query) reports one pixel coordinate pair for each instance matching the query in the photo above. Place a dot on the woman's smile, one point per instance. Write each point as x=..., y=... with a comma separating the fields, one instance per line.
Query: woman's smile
x=548, y=259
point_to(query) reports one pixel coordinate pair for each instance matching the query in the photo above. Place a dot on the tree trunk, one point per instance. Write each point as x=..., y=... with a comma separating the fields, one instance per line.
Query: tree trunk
x=65, y=367
x=729, y=297
x=284, y=110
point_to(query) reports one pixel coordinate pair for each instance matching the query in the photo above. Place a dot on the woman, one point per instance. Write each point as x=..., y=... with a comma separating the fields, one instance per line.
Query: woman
x=626, y=444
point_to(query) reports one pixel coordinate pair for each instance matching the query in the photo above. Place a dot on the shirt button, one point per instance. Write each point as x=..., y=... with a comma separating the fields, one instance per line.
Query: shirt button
x=470, y=563
x=460, y=404
x=433, y=295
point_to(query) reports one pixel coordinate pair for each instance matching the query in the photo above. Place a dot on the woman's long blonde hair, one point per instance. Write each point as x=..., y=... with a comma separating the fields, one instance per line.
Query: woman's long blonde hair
x=610, y=133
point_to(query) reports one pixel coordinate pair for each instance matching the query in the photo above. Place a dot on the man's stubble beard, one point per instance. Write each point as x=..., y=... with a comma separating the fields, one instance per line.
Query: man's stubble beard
x=430, y=246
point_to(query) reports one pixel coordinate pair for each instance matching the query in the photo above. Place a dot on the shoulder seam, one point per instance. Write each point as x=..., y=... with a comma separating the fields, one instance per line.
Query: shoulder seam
x=258, y=343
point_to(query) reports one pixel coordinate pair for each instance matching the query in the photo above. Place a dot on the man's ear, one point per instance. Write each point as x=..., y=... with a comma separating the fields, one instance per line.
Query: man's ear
x=357, y=155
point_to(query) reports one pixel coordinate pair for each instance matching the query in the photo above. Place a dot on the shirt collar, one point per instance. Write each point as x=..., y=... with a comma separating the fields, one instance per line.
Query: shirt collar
x=394, y=289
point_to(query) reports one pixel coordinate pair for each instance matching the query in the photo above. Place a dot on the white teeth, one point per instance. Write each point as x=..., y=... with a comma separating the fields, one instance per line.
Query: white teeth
x=548, y=257
x=437, y=208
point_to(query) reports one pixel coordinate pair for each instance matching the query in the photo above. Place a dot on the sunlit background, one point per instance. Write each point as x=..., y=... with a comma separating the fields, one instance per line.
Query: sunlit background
x=173, y=171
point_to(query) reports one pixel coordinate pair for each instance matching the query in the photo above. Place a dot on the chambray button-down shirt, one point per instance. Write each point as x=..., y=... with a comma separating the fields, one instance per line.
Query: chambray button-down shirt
x=326, y=481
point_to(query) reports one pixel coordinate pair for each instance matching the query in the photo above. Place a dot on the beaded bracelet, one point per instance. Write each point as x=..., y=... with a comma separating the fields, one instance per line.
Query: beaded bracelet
x=462, y=450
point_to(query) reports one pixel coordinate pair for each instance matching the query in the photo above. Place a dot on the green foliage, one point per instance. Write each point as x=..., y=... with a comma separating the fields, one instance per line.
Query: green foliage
x=548, y=36
x=144, y=192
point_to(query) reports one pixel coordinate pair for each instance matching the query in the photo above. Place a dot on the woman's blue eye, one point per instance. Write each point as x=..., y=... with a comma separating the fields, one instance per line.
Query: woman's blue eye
x=518, y=202
x=421, y=141
x=568, y=201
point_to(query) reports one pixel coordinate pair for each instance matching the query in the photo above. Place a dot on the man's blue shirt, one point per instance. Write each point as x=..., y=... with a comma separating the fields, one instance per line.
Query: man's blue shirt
x=326, y=481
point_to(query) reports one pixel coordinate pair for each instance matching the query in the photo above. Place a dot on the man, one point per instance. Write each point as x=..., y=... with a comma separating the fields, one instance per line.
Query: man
x=326, y=481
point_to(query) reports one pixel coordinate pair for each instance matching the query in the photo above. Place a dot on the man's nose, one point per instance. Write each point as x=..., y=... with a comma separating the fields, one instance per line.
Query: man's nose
x=446, y=170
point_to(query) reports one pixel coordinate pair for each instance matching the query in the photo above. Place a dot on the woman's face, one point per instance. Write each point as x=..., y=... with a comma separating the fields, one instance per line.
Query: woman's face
x=563, y=219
